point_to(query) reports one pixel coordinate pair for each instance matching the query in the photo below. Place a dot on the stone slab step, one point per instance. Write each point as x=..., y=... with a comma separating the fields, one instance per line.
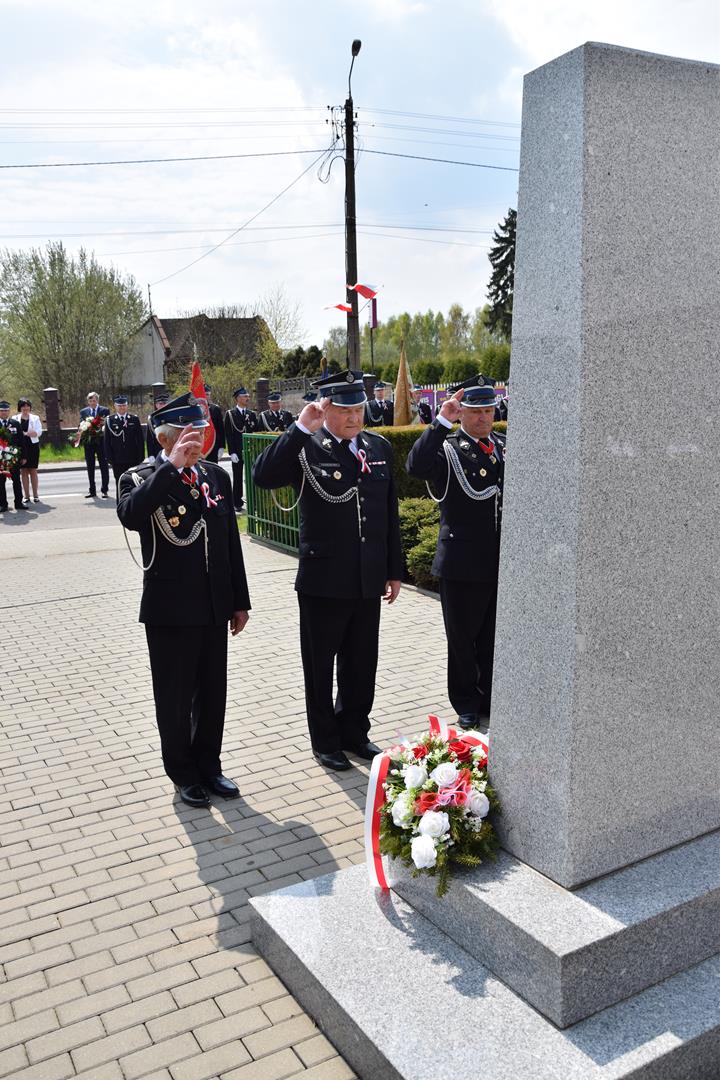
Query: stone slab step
x=401, y=1001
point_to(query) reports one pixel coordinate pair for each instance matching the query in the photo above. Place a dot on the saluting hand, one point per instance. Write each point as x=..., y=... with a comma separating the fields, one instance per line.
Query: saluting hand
x=451, y=408
x=186, y=447
x=313, y=415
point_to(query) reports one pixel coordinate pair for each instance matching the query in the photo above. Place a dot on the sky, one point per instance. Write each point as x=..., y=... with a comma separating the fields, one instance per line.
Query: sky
x=104, y=81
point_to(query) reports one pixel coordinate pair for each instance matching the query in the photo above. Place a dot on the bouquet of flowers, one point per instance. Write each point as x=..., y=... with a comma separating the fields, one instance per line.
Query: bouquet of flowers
x=9, y=455
x=436, y=800
x=88, y=431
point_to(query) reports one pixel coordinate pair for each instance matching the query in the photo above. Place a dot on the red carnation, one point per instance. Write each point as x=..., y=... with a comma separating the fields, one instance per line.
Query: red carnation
x=420, y=751
x=427, y=801
x=462, y=751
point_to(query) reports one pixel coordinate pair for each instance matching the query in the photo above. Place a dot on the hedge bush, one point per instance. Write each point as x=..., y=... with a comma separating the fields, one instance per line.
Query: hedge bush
x=419, y=558
x=402, y=440
x=415, y=515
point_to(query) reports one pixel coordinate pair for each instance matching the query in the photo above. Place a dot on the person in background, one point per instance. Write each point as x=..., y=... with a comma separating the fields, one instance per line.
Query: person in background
x=95, y=448
x=238, y=421
x=216, y=419
x=123, y=438
x=379, y=412
x=12, y=432
x=424, y=410
x=153, y=446
x=30, y=453
x=275, y=418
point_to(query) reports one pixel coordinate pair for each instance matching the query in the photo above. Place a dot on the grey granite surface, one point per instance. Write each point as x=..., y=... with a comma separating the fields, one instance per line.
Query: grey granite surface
x=573, y=953
x=605, y=743
x=399, y=999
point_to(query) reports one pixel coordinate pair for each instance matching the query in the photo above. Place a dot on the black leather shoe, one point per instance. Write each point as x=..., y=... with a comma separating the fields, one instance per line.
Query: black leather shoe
x=367, y=751
x=193, y=795
x=220, y=785
x=91, y=495
x=104, y=495
x=474, y=721
x=336, y=760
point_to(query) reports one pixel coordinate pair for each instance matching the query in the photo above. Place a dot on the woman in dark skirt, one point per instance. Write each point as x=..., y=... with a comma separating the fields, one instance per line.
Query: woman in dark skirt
x=30, y=453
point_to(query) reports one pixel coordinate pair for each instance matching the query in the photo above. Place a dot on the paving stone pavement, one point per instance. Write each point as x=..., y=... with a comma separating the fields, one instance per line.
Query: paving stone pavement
x=124, y=943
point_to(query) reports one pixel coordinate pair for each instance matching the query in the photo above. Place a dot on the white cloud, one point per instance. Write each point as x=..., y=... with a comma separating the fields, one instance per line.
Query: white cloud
x=546, y=29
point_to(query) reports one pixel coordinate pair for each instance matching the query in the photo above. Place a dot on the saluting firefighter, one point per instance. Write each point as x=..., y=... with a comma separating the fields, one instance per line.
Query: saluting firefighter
x=194, y=590
x=238, y=420
x=123, y=439
x=350, y=557
x=275, y=418
x=379, y=412
x=11, y=431
x=464, y=471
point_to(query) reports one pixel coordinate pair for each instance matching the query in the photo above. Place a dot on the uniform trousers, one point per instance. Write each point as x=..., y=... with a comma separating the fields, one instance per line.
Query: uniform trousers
x=189, y=675
x=237, y=484
x=16, y=486
x=347, y=631
x=469, y=613
x=118, y=470
x=90, y=452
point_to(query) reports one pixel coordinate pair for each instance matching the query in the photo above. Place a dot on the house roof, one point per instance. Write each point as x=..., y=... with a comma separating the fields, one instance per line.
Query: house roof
x=216, y=339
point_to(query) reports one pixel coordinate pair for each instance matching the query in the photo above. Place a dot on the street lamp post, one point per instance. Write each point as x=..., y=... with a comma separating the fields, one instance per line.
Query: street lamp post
x=351, y=271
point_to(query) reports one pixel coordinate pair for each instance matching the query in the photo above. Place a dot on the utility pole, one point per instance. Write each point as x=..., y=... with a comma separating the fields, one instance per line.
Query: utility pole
x=351, y=270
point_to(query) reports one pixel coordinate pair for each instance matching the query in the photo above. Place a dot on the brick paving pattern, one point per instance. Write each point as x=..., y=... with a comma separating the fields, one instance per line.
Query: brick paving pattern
x=125, y=951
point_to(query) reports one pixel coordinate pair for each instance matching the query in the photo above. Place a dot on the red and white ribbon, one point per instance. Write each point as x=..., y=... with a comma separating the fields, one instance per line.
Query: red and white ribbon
x=376, y=796
x=362, y=458
x=209, y=501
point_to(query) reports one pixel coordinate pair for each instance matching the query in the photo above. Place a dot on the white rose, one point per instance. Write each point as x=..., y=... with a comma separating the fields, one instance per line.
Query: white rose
x=402, y=811
x=422, y=850
x=445, y=774
x=478, y=804
x=415, y=776
x=434, y=823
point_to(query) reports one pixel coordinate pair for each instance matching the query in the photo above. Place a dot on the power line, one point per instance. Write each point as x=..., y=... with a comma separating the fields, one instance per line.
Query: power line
x=436, y=116
x=255, y=228
x=156, y=161
x=443, y=161
x=249, y=221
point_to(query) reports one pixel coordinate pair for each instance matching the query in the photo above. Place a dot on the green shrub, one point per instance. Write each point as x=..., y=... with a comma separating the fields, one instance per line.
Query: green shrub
x=415, y=515
x=460, y=368
x=420, y=557
x=427, y=372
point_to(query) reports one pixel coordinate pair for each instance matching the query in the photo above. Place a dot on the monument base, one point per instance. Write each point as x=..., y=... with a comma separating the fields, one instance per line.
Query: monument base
x=571, y=954
x=401, y=1001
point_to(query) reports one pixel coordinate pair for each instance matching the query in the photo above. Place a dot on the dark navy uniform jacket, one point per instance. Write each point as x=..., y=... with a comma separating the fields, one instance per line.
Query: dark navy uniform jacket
x=182, y=588
x=12, y=431
x=350, y=549
x=236, y=422
x=274, y=420
x=123, y=438
x=425, y=412
x=102, y=410
x=379, y=413
x=469, y=542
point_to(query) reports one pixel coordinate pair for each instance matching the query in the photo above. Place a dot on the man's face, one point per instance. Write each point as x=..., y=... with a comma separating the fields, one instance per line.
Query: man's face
x=345, y=421
x=416, y=395
x=92, y=402
x=380, y=395
x=275, y=406
x=478, y=422
x=208, y=396
x=242, y=401
x=4, y=414
x=121, y=409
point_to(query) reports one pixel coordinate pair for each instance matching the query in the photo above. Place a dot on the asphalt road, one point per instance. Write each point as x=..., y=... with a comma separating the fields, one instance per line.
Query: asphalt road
x=56, y=484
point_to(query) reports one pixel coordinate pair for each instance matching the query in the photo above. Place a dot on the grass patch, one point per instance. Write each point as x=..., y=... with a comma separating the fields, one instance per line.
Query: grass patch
x=51, y=454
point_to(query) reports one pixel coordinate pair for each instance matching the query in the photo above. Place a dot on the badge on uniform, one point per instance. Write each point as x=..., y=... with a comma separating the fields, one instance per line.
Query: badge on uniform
x=327, y=443
x=182, y=509
x=195, y=493
x=337, y=475
x=464, y=445
x=493, y=460
x=483, y=472
x=174, y=521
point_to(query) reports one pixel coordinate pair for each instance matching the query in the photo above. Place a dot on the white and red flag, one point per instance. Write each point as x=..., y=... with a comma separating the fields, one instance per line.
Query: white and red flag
x=197, y=388
x=368, y=291
x=340, y=307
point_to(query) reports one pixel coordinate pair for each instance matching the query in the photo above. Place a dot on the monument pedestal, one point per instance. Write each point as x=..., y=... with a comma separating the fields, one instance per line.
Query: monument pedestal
x=591, y=950
x=402, y=1001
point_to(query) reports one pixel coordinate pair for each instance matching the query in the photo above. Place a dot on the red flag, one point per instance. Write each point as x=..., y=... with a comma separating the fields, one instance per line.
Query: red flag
x=197, y=389
x=368, y=291
x=340, y=307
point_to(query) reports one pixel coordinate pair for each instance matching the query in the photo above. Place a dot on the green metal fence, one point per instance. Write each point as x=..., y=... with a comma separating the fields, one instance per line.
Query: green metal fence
x=265, y=521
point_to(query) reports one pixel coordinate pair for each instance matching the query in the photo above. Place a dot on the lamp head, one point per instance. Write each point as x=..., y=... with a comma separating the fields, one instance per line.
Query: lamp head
x=356, y=46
